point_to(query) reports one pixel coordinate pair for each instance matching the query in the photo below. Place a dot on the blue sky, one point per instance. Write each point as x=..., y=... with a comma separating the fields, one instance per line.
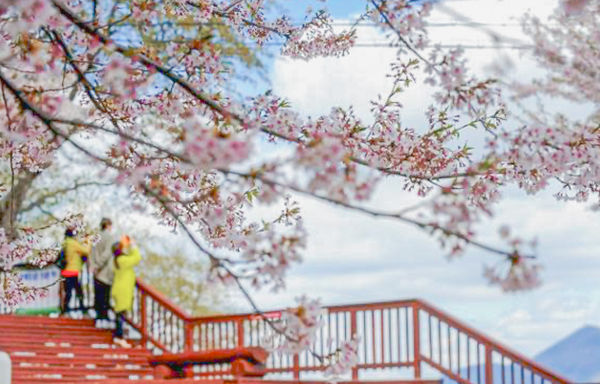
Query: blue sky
x=339, y=9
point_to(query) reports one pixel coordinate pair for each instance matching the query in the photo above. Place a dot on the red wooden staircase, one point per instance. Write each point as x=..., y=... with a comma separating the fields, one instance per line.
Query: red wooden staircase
x=409, y=335
x=45, y=350
x=60, y=350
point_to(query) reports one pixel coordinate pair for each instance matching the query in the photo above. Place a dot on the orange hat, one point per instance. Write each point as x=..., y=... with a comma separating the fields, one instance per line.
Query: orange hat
x=125, y=241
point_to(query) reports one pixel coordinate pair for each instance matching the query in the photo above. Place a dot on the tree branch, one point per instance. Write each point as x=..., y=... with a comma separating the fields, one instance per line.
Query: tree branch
x=40, y=200
x=205, y=99
x=375, y=213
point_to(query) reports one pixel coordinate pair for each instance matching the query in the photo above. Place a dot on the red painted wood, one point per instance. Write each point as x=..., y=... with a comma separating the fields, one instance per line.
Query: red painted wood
x=171, y=329
x=253, y=354
x=416, y=341
x=489, y=373
x=445, y=371
x=296, y=367
x=143, y=316
x=162, y=299
x=492, y=345
x=247, y=361
x=241, y=367
x=352, y=334
x=416, y=305
x=45, y=350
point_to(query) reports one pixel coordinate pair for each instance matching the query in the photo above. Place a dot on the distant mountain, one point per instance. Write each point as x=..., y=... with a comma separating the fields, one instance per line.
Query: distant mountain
x=577, y=356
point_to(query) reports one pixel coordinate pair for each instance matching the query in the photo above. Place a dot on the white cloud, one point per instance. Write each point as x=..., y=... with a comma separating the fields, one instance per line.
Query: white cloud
x=315, y=86
x=354, y=258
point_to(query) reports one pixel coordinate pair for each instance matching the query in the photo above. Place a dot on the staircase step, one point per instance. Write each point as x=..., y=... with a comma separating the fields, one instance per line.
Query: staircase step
x=17, y=339
x=15, y=319
x=53, y=329
x=110, y=351
x=57, y=378
x=79, y=360
x=117, y=381
x=122, y=370
x=67, y=351
x=153, y=381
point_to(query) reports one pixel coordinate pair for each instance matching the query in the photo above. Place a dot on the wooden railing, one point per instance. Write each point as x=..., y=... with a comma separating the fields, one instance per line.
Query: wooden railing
x=51, y=297
x=467, y=356
x=398, y=334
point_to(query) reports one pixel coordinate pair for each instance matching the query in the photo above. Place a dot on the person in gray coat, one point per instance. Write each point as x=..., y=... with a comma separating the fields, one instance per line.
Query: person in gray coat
x=102, y=268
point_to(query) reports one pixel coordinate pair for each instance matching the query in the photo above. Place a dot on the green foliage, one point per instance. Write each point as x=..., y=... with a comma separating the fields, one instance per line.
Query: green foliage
x=182, y=280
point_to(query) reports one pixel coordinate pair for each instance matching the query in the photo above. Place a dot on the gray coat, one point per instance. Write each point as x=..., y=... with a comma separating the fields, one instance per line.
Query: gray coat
x=101, y=258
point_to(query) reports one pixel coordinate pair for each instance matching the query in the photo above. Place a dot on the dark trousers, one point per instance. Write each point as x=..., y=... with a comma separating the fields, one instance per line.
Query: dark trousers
x=101, y=299
x=119, y=329
x=72, y=283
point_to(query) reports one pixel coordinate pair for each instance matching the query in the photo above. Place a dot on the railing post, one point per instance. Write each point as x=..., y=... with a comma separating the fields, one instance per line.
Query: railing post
x=353, y=327
x=416, y=340
x=86, y=286
x=188, y=330
x=143, y=318
x=296, y=367
x=240, y=332
x=489, y=369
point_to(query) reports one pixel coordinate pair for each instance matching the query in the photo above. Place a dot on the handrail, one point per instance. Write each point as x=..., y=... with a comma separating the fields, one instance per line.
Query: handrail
x=182, y=313
x=159, y=296
x=495, y=345
x=395, y=334
x=496, y=357
x=405, y=321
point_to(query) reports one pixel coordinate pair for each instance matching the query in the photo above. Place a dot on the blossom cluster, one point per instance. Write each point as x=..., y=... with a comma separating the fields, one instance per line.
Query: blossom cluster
x=344, y=358
x=562, y=147
x=299, y=326
x=521, y=275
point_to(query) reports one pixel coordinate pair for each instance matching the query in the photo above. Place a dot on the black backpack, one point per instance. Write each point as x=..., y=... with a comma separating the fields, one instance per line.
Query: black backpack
x=61, y=260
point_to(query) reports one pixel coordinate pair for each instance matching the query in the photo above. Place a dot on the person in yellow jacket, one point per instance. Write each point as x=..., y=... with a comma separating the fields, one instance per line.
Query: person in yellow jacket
x=75, y=254
x=127, y=256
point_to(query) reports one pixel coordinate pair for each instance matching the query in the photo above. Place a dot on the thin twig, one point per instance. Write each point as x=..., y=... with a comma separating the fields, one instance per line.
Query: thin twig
x=372, y=212
x=409, y=46
x=215, y=261
x=207, y=101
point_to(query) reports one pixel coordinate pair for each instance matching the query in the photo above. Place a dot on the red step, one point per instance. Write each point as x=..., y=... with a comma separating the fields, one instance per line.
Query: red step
x=43, y=320
x=53, y=330
x=117, y=371
x=118, y=381
x=79, y=360
x=68, y=353
x=158, y=381
x=13, y=339
x=63, y=350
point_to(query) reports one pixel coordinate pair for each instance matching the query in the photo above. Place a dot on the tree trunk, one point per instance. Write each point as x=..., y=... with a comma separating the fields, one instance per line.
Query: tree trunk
x=12, y=202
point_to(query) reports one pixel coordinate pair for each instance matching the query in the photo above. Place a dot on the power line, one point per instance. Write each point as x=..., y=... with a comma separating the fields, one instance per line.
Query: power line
x=451, y=46
x=444, y=46
x=436, y=24
x=391, y=45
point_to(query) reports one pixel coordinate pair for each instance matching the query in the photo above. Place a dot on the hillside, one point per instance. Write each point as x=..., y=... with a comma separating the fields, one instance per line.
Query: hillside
x=577, y=356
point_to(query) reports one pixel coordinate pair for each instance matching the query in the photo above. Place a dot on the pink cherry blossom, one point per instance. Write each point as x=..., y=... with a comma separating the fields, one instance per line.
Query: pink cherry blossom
x=574, y=7
x=149, y=94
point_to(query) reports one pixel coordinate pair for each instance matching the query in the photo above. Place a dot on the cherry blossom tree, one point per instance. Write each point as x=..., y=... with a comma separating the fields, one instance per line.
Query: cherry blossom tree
x=143, y=90
x=560, y=146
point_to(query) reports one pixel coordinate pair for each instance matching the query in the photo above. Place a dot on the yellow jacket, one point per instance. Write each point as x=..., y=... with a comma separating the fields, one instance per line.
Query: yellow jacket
x=124, y=279
x=73, y=254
